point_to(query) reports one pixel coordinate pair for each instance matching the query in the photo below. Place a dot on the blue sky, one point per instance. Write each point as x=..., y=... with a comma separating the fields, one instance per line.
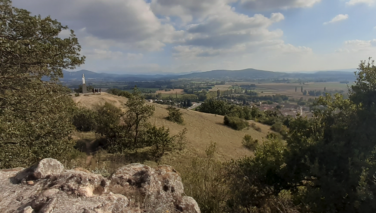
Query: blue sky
x=175, y=36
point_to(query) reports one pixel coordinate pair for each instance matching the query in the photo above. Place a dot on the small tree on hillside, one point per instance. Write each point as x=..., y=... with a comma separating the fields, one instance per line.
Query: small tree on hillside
x=160, y=140
x=138, y=112
x=175, y=115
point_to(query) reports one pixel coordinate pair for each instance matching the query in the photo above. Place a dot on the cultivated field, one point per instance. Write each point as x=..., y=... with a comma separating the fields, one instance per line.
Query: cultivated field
x=173, y=91
x=221, y=87
x=202, y=128
x=288, y=88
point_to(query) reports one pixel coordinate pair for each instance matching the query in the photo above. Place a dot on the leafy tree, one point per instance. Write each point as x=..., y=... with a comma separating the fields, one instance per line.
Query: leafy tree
x=160, y=140
x=85, y=119
x=138, y=112
x=107, y=119
x=35, y=115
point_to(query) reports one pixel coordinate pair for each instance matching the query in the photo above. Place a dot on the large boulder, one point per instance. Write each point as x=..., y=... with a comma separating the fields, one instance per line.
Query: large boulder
x=47, y=187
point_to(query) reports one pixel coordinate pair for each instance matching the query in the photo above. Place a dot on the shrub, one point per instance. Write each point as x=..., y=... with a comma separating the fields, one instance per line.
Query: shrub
x=235, y=123
x=76, y=94
x=175, y=115
x=280, y=128
x=181, y=139
x=255, y=127
x=160, y=140
x=249, y=142
x=85, y=120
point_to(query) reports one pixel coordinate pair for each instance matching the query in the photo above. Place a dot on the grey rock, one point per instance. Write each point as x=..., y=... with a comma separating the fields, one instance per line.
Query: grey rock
x=132, y=188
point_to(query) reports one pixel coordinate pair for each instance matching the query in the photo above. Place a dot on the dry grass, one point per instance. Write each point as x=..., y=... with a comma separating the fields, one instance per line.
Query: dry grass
x=202, y=128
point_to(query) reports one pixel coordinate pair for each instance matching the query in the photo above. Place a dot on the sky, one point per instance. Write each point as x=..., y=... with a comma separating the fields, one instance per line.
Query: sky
x=178, y=36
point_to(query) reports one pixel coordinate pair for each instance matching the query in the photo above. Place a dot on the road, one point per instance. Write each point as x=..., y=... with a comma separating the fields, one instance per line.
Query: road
x=195, y=105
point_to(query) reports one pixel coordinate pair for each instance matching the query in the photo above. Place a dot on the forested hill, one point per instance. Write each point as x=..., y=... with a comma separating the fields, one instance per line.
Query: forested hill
x=235, y=74
x=238, y=75
x=248, y=74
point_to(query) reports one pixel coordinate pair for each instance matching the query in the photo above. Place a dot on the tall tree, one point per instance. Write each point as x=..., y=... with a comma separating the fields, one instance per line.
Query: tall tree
x=35, y=115
x=138, y=112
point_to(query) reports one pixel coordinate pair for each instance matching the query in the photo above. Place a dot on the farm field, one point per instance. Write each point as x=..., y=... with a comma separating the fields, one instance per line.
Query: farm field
x=221, y=87
x=288, y=88
x=173, y=91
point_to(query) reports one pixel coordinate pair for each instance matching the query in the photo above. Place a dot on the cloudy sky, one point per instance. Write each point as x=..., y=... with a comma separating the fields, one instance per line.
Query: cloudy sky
x=175, y=36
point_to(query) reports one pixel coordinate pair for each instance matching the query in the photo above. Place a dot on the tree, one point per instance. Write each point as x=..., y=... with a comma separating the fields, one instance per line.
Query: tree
x=174, y=115
x=35, y=115
x=107, y=119
x=138, y=112
x=218, y=93
x=160, y=140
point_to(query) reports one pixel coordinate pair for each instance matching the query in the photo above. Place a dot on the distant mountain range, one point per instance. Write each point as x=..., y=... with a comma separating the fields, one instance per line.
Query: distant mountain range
x=246, y=74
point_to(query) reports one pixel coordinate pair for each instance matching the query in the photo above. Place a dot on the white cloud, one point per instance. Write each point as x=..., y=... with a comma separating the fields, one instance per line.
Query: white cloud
x=355, y=2
x=134, y=56
x=277, y=4
x=188, y=10
x=340, y=17
x=130, y=22
x=355, y=46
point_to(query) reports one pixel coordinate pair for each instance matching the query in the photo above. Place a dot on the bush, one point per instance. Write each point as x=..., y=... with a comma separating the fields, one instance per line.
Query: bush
x=160, y=140
x=76, y=94
x=108, y=118
x=85, y=120
x=175, y=115
x=249, y=142
x=235, y=123
x=255, y=127
x=280, y=128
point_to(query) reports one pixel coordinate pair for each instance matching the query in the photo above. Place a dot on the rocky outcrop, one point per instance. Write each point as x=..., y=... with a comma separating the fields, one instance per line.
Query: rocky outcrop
x=47, y=187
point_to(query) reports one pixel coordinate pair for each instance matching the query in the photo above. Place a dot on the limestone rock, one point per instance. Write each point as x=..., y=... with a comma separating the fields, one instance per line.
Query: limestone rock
x=47, y=187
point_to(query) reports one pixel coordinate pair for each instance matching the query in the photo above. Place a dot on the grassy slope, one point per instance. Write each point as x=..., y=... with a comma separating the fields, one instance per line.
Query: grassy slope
x=202, y=128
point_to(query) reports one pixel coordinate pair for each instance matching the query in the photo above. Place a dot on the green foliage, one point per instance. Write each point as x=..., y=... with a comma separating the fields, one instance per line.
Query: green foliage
x=255, y=180
x=119, y=93
x=181, y=139
x=135, y=119
x=328, y=163
x=235, y=123
x=35, y=115
x=85, y=120
x=108, y=119
x=76, y=94
x=249, y=142
x=255, y=127
x=160, y=140
x=280, y=128
x=175, y=115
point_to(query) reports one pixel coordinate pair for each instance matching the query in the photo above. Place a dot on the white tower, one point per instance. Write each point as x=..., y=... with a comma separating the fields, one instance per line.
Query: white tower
x=84, y=89
x=83, y=78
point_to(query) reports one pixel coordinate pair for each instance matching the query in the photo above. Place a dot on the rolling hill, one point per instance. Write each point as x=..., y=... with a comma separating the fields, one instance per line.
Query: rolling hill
x=202, y=128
